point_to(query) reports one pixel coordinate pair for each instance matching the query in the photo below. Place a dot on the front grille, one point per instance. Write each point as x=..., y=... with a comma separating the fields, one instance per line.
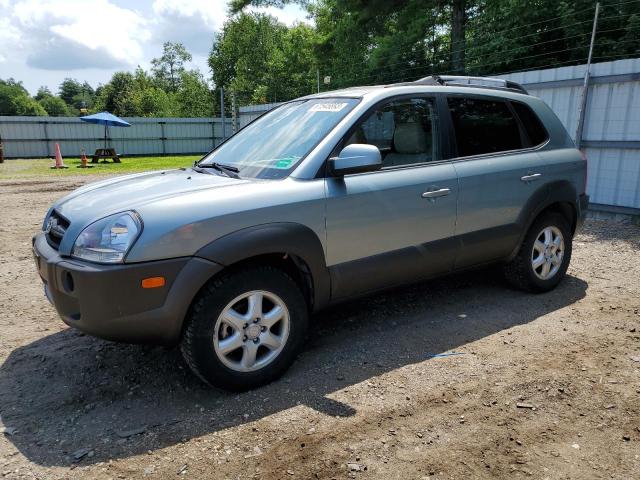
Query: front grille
x=55, y=229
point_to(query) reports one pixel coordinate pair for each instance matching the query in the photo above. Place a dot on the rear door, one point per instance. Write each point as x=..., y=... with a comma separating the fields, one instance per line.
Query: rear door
x=394, y=225
x=498, y=170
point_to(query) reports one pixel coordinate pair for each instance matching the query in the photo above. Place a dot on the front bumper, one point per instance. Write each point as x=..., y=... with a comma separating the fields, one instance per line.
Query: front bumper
x=108, y=301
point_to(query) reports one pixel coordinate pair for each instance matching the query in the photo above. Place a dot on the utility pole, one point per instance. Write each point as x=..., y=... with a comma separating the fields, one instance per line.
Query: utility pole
x=318, y=78
x=234, y=113
x=585, y=85
x=222, y=112
x=458, y=32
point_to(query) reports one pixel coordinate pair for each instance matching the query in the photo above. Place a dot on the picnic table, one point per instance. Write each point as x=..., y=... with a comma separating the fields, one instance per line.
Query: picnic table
x=106, y=119
x=105, y=153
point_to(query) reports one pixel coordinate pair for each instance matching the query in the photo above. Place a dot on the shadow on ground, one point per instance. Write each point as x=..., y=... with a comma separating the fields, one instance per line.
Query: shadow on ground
x=68, y=391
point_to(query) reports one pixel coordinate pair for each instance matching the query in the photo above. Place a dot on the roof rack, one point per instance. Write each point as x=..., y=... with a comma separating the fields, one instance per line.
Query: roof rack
x=481, y=82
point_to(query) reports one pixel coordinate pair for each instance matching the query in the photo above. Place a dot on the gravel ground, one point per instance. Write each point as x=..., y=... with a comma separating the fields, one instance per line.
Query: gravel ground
x=541, y=386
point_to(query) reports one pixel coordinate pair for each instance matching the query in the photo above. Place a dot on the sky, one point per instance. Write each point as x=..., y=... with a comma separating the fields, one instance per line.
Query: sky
x=42, y=42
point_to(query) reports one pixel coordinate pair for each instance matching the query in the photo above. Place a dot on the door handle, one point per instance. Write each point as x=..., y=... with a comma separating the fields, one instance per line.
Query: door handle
x=441, y=192
x=531, y=177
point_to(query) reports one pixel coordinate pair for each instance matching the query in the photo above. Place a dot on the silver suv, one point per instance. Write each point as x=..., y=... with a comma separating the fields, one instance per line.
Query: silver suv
x=322, y=199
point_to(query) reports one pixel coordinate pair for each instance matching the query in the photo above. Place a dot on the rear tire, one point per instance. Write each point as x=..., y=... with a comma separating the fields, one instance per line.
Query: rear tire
x=245, y=328
x=544, y=256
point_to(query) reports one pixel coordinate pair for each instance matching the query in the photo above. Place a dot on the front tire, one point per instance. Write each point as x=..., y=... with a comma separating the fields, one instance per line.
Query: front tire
x=544, y=256
x=245, y=328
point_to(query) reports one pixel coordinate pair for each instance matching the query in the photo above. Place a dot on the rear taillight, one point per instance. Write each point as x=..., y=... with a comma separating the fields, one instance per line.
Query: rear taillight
x=583, y=154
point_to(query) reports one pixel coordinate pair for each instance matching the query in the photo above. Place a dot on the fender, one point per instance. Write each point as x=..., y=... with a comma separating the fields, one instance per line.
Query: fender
x=286, y=237
x=561, y=191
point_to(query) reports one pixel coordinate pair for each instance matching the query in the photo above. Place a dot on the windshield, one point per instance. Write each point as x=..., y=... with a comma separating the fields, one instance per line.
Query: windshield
x=274, y=144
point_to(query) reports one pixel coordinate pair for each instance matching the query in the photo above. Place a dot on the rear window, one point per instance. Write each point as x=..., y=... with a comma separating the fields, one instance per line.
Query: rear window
x=532, y=124
x=483, y=126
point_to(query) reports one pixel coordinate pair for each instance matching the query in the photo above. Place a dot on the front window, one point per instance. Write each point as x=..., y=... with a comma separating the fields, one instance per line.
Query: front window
x=273, y=145
x=404, y=130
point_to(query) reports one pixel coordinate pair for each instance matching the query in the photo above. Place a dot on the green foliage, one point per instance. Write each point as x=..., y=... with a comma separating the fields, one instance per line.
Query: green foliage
x=69, y=88
x=380, y=41
x=194, y=99
x=54, y=106
x=25, y=105
x=139, y=95
x=261, y=60
x=168, y=69
x=15, y=100
x=76, y=95
x=43, y=92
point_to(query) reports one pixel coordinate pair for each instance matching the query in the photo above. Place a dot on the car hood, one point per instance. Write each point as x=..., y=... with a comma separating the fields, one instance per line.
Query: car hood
x=132, y=191
x=100, y=199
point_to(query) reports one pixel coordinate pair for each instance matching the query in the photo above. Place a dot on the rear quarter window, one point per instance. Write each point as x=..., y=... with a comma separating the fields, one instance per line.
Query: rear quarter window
x=533, y=126
x=483, y=126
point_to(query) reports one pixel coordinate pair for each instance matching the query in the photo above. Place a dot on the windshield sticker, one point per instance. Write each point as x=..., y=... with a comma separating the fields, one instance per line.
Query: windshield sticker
x=283, y=163
x=327, y=107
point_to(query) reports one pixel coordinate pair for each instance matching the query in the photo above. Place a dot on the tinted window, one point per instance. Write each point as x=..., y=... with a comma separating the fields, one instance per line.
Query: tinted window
x=483, y=126
x=404, y=130
x=532, y=124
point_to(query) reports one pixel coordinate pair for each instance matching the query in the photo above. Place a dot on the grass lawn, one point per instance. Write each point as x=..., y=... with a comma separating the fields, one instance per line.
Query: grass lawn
x=41, y=167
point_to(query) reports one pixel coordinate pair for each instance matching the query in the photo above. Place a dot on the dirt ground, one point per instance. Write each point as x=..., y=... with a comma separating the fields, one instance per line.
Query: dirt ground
x=542, y=386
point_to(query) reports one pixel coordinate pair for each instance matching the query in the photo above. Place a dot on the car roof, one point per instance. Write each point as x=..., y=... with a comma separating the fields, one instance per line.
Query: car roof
x=435, y=83
x=381, y=91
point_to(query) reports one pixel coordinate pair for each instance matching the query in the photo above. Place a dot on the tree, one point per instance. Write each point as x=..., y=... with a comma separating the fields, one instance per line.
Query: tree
x=169, y=67
x=15, y=100
x=194, y=98
x=377, y=41
x=155, y=102
x=76, y=95
x=54, y=106
x=25, y=105
x=261, y=60
x=43, y=92
x=118, y=96
x=68, y=89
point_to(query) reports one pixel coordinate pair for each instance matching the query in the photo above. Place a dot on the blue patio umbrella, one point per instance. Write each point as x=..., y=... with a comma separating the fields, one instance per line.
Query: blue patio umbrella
x=107, y=119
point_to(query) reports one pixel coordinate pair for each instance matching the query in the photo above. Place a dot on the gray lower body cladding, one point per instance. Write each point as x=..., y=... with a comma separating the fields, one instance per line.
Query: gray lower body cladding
x=108, y=301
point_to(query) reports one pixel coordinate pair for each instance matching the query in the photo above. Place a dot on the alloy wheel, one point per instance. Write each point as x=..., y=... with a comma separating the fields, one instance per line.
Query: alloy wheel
x=251, y=331
x=547, y=253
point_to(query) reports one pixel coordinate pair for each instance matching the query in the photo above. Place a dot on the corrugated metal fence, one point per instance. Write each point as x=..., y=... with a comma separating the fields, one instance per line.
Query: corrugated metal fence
x=611, y=133
x=31, y=137
x=251, y=112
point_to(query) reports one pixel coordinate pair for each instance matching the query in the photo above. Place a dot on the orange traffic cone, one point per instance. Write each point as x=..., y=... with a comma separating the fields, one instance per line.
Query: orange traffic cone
x=59, y=162
x=83, y=160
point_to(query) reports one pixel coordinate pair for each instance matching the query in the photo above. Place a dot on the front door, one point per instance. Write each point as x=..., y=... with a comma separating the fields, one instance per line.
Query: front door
x=395, y=225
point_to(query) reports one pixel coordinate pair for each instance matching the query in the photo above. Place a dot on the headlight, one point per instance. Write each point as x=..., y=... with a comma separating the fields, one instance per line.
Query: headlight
x=108, y=240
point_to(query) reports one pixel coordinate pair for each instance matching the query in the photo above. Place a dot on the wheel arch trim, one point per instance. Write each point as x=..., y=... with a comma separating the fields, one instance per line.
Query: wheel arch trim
x=290, y=238
x=561, y=192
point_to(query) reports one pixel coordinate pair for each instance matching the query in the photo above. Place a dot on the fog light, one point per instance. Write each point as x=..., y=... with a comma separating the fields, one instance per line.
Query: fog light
x=67, y=282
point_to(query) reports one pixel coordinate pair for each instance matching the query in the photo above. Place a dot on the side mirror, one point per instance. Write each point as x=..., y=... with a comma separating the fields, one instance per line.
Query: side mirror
x=356, y=158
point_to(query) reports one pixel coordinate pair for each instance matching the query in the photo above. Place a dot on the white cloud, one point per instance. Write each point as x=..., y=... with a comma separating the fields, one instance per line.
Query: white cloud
x=44, y=41
x=194, y=22
x=9, y=37
x=190, y=22
x=76, y=34
x=289, y=15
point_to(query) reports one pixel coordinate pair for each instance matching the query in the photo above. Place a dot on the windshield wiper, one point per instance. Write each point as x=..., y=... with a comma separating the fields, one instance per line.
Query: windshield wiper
x=228, y=170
